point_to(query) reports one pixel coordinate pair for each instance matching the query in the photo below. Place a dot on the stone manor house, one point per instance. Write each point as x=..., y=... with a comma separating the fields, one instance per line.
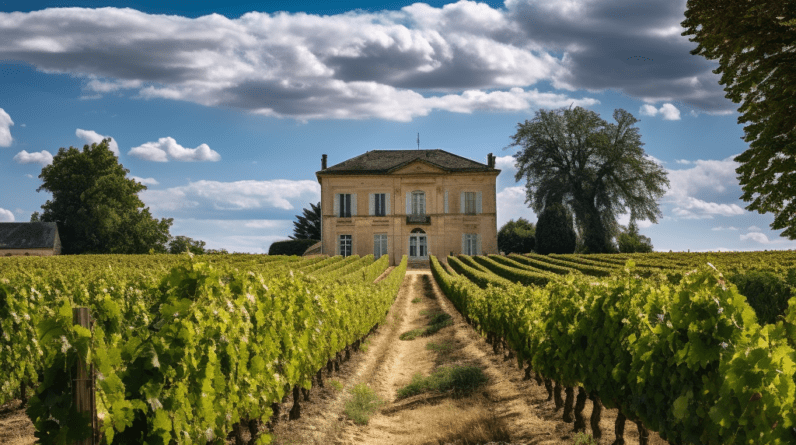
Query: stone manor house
x=408, y=202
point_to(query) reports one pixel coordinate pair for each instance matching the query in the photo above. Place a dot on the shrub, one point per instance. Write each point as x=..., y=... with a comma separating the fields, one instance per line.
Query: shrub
x=363, y=403
x=291, y=247
x=458, y=379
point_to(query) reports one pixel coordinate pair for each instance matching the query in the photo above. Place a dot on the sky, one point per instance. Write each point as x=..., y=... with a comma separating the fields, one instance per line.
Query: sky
x=224, y=108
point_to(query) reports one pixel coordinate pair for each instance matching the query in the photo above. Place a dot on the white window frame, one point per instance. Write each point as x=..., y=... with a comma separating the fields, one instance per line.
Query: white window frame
x=380, y=204
x=380, y=245
x=470, y=244
x=345, y=245
x=418, y=203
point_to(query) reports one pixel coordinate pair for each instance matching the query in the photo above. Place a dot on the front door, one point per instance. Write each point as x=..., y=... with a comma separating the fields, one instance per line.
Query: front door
x=418, y=247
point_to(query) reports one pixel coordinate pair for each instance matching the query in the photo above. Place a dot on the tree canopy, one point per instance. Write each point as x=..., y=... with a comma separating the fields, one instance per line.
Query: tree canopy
x=516, y=236
x=755, y=44
x=631, y=241
x=96, y=206
x=181, y=244
x=596, y=169
x=308, y=225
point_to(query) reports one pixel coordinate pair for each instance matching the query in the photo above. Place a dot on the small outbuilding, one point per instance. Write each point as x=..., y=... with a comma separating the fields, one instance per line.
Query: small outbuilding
x=29, y=239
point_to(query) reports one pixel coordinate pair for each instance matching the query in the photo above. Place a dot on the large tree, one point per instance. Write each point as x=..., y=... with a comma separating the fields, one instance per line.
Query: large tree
x=96, y=205
x=516, y=236
x=631, y=241
x=755, y=44
x=596, y=169
x=308, y=226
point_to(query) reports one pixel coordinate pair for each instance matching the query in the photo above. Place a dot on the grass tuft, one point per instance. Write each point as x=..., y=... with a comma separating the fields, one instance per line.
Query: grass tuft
x=336, y=385
x=362, y=404
x=584, y=439
x=417, y=300
x=461, y=380
x=438, y=321
x=439, y=347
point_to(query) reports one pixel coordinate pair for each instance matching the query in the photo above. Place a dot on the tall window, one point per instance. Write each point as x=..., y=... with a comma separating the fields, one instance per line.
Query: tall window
x=469, y=203
x=470, y=244
x=379, y=202
x=345, y=205
x=379, y=245
x=418, y=203
x=345, y=245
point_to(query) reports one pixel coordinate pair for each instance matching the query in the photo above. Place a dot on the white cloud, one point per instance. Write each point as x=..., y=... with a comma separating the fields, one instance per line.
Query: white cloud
x=693, y=208
x=239, y=195
x=5, y=129
x=511, y=205
x=43, y=157
x=683, y=161
x=167, y=148
x=92, y=137
x=28, y=175
x=754, y=229
x=145, y=181
x=668, y=111
x=6, y=215
x=724, y=228
x=234, y=235
x=756, y=237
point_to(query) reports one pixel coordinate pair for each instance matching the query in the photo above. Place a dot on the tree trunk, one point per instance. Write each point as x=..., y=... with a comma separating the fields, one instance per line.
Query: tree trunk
x=596, y=411
x=295, y=412
x=527, y=373
x=559, y=401
x=619, y=429
x=23, y=393
x=319, y=377
x=329, y=367
x=548, y=385
x=238, y=431
x=254, y=431
x=643, y=433
x=306, y=393
x=570, y=400
x=337, y=362
x=347, y=353
x=580, y=403
x=538, y=379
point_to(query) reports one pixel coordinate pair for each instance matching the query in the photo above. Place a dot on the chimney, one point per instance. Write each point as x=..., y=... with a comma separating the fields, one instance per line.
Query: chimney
x=323, y=162
x=490, y=160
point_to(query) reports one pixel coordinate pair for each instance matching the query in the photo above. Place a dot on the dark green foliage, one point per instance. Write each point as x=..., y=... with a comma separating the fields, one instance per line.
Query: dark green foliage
x=291, y=247
x=753, y=43
x=516, y=237
x=630, y=241
x=596, y=169
x=554, y=231
x=181, y=244
x=308, y=226
x=96, y=205
x=766, y=292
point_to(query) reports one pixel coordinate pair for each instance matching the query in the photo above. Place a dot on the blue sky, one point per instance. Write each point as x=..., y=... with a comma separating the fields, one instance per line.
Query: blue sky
x=223, y=109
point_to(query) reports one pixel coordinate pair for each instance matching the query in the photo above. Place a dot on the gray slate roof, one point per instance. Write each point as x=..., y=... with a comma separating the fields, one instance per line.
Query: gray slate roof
x=386, y=161
x=27, y=235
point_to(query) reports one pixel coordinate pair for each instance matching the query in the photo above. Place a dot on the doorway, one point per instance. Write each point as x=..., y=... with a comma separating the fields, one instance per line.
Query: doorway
x=418, y=245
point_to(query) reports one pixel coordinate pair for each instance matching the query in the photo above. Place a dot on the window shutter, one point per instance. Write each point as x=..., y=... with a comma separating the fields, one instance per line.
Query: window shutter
x=462, y=208
x=408, y=203
x=353, y=204
x=376, y=244
x=464, y=243
x=386, y=203
x=446, y=201
x=336, y=204
x=339, y=241
x=371, y=204
x=478, y=244
x=478, y=202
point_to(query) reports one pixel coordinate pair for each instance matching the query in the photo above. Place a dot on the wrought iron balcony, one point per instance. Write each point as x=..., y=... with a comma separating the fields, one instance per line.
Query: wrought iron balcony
x=418, y=219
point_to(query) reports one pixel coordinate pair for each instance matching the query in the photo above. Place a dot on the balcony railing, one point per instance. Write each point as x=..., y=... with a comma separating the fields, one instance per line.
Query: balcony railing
x=418, y=219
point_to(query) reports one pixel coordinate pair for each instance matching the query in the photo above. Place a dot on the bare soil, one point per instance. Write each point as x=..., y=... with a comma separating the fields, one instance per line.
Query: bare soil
x=507, y=409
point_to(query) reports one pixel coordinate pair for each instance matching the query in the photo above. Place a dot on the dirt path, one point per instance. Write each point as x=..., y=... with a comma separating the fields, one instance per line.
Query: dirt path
x=507, y=409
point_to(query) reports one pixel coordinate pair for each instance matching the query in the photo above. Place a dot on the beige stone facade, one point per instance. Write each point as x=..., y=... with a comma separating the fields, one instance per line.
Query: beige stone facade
x=28, y=252
x=428, y=209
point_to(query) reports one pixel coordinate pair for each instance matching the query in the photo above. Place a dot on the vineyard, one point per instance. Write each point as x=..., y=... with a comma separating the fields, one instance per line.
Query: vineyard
x=699, y=348
x=184, y=351
x=667, y=339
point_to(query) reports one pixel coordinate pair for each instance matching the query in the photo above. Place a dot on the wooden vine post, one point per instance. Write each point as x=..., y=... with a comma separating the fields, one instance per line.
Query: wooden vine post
x=83, y=384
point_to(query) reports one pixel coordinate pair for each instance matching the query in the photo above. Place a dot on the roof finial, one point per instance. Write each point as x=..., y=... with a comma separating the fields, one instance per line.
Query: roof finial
x=418, y=141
